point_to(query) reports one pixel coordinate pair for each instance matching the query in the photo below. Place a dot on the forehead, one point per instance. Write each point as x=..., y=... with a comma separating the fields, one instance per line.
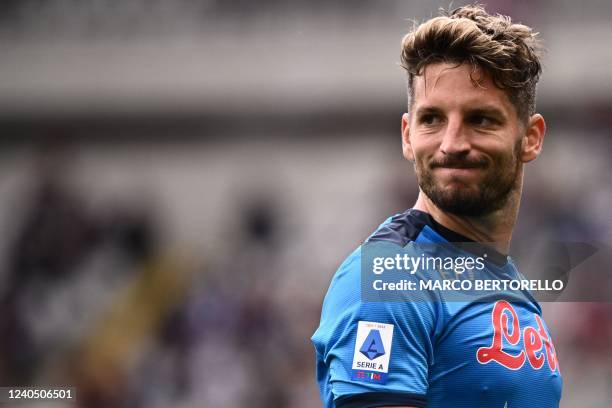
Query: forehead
x=448, y=85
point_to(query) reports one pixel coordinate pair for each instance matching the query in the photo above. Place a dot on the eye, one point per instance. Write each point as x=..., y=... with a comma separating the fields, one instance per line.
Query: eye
x=430, y=119
x=482, y=121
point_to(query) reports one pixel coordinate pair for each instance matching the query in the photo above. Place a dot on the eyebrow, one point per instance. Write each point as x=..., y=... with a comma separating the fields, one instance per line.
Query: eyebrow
x=424, y=110
x=479, y=110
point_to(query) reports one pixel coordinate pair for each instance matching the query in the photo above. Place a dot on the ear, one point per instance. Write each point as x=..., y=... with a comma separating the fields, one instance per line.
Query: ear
x=534, y=138
x=406, y=146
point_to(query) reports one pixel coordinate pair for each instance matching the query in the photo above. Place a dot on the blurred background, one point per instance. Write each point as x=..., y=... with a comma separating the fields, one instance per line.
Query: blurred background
x=180, y=180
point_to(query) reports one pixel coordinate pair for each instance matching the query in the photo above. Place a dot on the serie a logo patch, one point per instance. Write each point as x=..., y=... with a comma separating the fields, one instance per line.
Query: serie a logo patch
x=372, y=352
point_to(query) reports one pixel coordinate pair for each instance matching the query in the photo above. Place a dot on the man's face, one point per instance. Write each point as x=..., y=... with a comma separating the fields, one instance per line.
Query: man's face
x=465, y=140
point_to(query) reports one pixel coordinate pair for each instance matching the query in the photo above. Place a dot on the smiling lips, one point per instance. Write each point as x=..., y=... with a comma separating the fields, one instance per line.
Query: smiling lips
x=458, y=170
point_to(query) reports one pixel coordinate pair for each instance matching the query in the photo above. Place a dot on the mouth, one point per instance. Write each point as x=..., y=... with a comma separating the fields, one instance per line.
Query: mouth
x=462, y=171
x=458, y=167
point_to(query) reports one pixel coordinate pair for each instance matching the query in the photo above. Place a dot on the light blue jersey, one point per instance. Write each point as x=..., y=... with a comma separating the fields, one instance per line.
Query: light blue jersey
x=436, y=353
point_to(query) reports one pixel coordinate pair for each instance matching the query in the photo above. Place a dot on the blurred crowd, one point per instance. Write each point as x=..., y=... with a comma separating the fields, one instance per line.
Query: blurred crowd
x=92, y=300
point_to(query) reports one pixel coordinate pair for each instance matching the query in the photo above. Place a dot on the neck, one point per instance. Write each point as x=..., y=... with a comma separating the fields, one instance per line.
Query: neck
x=494, y=229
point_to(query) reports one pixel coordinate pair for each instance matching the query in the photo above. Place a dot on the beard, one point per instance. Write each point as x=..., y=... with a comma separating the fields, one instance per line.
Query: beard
x=502, y=177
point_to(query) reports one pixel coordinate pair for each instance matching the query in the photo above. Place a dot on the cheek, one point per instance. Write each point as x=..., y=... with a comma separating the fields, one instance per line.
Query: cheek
x=503, y=153
x=422, y=150
x=417, y=157
x=512, y=154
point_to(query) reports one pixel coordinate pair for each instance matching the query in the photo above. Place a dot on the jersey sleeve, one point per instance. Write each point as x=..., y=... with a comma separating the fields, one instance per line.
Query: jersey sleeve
x=372, y=354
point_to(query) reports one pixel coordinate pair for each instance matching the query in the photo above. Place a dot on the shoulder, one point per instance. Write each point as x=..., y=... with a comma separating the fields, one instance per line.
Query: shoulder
x=346, y=302
x=395, y=233
x=401, y=228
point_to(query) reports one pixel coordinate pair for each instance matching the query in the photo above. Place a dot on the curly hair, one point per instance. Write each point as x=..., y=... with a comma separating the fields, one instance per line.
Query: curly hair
x=508, y=52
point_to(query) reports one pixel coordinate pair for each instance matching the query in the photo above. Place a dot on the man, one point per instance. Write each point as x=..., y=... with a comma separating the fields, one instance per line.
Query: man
x=470, y=129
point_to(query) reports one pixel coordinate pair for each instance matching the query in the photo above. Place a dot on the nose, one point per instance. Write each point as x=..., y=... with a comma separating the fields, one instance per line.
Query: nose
x=455, y=140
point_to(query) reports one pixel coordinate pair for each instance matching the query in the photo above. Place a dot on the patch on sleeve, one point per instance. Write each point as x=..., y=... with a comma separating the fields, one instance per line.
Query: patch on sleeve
x=372, y=352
